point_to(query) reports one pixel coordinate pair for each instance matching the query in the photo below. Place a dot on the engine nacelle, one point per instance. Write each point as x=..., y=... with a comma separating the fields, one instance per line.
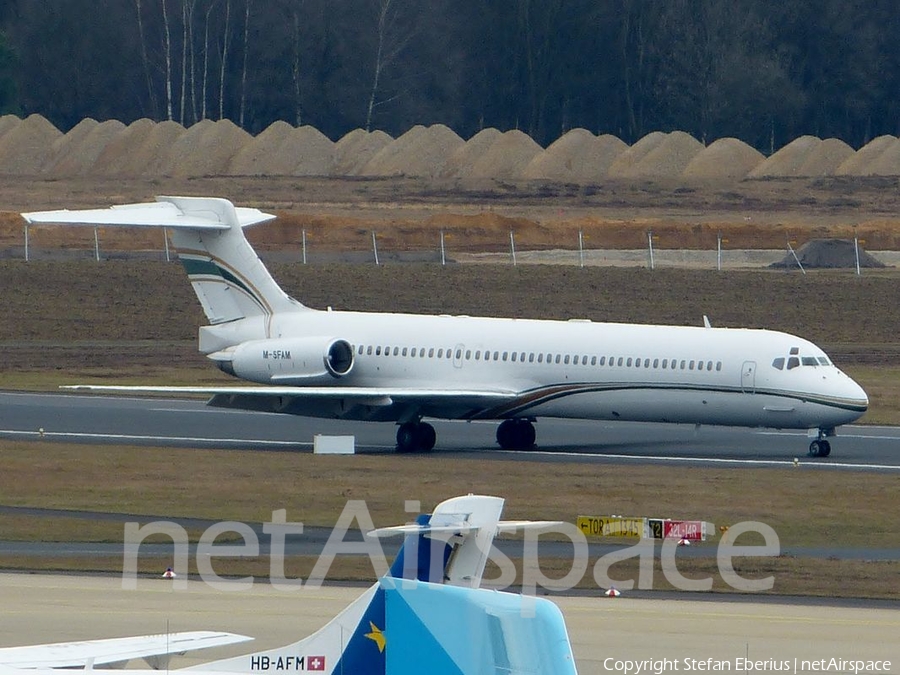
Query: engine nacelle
x=288, y=360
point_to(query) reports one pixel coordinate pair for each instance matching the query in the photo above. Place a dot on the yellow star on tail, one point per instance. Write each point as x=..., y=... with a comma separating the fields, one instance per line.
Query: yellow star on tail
x=377, y=636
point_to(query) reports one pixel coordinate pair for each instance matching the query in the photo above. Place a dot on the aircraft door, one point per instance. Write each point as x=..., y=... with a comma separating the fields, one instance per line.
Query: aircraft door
x=748, y=377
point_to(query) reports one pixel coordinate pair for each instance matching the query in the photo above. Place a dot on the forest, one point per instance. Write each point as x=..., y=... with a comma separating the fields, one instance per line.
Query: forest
x=759, y=71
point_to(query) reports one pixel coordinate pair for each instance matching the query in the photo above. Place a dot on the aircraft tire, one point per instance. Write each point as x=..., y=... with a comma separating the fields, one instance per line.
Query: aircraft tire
x=415, y=437
x=819, y=449
x=516, y=434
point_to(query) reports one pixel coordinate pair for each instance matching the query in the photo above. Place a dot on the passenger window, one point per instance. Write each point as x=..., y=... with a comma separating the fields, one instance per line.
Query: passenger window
x=396, y=351
x=778, y=364
x=793, y=362
x=413, y=351
x=602, y=360
x=718, y=366
x=593, y=360
x=477, y=355
x=505, y=355
x=369, y=350
x=440, y=353
x=404, y=352
x=468, y=354
x=514, y=356
x=665, y=363
x=656, y=363
x=683, y=364
x=558, y=358
x=646, y=363
x=709, y=365
x=541, y=357
x=531, y=357
x=620, y=361
x=431, y=353
x=566, y=361
x=691, y=365
x=450, y=354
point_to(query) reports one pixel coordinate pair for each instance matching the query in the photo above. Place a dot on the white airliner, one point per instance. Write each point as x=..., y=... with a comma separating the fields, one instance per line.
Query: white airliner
x=428, y=614
x=405, y=367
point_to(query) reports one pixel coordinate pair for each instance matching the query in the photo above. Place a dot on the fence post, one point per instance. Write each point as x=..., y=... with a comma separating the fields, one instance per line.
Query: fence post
x=374, y=247
x=303, y=235
x=443, y=253
x=581, y=247
x=650, y=248
x=96, y=245
x=512, y=247
x=26, y=242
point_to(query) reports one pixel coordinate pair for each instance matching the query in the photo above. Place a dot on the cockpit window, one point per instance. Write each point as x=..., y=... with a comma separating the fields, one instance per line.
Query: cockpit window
x=823, y=361
x=793, y=362
x=809, y=361
x=778, y=363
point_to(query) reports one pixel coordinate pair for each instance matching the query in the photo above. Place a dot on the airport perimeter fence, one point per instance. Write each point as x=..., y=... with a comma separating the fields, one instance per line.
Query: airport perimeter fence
x=832, y=254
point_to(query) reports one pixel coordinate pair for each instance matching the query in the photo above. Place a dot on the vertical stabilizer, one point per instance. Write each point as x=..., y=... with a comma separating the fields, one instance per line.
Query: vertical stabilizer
x=230, y=280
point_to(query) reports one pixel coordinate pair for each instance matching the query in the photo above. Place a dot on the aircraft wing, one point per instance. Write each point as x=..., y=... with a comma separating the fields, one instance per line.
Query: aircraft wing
x=371, y=395
x=93, y=653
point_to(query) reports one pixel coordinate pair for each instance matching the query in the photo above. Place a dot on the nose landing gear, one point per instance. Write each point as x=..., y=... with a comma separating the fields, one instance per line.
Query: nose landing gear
x=821, y=447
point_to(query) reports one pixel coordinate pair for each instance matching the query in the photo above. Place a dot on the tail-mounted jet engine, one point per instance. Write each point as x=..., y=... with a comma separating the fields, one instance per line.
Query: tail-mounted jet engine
x=287, y=361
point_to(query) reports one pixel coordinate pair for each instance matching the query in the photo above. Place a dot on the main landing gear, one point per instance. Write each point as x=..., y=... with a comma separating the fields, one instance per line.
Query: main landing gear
x=516, y=434
x=415, y=437
x=821, y=447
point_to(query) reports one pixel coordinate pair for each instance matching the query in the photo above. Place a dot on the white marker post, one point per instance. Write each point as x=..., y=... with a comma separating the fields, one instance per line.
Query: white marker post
x=581, y=247
x=512, y=247
x=650, y=248
x=374, y=247
x=96, y=245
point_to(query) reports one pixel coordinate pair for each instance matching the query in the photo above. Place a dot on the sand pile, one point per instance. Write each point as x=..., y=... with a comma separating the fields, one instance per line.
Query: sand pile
x=315, y=152
x=862, y=161
x=460, y=163
x=668, y=159
x=7, y=122
x=624, y=163
x=69, y=142
x=788, y=160
x=888, y=162
x=270, y=153
x=355, y=149
x=506, y=157
x=26, y=147
x=152, y=154
x=117, y=153
x=828, y=254
x=825, y=158
x=79, y=160
x=577, y=157
x=389, y=160
x=205, y=149
x=726, y=158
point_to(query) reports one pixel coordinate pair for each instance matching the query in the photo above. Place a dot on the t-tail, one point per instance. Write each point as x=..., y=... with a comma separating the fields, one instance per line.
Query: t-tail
x=237, y=293
x=428, y=614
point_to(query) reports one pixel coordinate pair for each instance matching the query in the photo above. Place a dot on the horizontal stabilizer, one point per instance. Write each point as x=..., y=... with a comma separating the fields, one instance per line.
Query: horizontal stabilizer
x=163, y=213
x=113, y=651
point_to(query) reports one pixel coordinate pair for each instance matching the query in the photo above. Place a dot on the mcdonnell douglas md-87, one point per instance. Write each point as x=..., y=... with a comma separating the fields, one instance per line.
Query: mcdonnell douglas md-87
x=405, y=367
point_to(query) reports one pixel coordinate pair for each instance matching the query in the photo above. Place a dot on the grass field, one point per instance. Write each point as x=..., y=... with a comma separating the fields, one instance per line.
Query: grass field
x=807, y=508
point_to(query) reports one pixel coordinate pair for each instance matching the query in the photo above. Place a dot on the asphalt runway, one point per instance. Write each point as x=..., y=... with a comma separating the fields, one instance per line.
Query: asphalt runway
x=605, y=632
x=190, y=424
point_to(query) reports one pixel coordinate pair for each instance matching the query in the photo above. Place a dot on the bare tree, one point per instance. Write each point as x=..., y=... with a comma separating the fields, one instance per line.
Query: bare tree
x=244, y=65
x=389, y=45
x=143, y=40
x=224, y=59
x=168, y=46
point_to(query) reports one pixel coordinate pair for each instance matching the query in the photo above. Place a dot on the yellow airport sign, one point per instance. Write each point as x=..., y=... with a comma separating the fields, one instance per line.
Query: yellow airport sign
x=611, y=526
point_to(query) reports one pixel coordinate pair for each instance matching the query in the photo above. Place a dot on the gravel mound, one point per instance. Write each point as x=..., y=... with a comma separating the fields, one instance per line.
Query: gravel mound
x=787, y=161
x=271, y=153
x=356, y=148
x=80, y=160
x=117, y=154
x=631, y=156
x=460, y=163
x=25, y=148
x=825, y=158
x=389, y=160
x=205, y=149
x=576, y=157
x=506, y=157
x=827, y=254
x=669, y=158
x=726, y=158
x=888, y=162
x=314, y=152
x=7, y=122
x=861, y=162
x=151, y=157
x=69, y=142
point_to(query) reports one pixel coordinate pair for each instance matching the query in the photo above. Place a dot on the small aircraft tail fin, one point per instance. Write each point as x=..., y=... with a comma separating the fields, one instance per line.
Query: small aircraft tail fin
x=406, y=625
x=228, y=277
